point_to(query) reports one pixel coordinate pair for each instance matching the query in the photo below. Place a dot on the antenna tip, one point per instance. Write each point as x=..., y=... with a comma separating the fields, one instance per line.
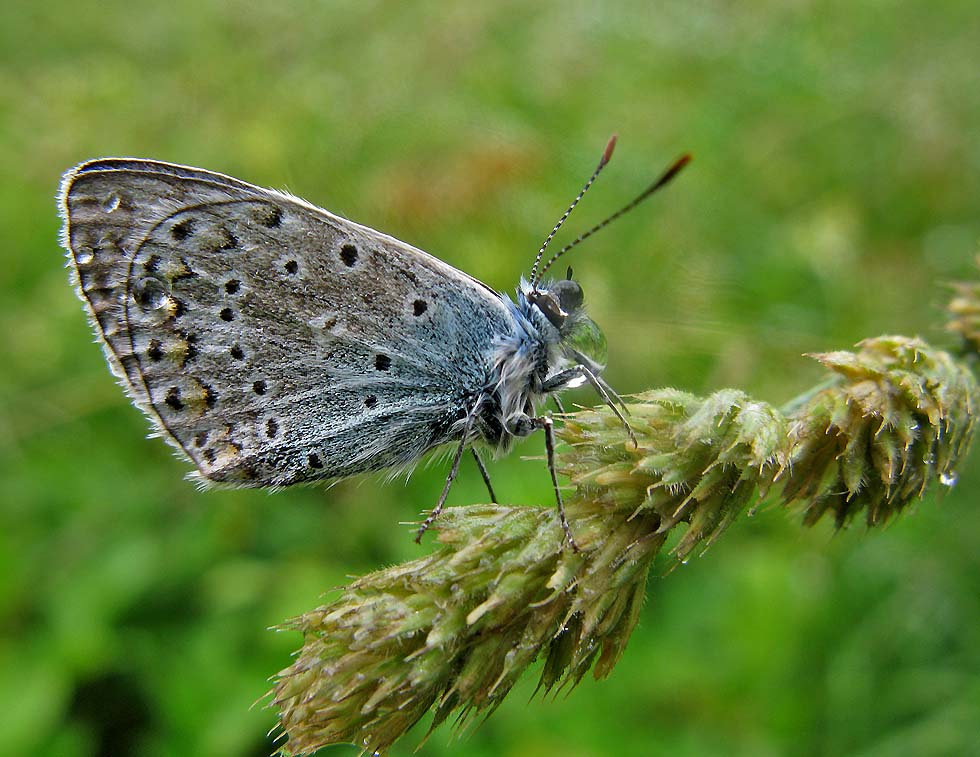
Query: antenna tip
x=675, y=168
x=607, y=153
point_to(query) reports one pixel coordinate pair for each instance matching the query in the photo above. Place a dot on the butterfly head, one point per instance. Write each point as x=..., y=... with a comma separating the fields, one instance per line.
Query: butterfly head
x=558, y=304
x=558, y=307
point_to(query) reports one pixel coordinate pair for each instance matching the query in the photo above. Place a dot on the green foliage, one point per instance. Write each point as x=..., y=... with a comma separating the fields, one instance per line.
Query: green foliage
x=835, y=183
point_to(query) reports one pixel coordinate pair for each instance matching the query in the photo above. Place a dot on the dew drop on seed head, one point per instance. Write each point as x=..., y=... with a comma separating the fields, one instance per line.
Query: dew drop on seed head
x=948, y=478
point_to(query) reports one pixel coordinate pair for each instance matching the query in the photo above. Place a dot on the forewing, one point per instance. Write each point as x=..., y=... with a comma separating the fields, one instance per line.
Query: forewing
x=269, y=340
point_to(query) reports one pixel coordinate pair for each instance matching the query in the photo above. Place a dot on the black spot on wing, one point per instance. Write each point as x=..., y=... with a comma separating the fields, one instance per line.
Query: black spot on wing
x=182, y=229
x=155, y=350
x=172, y=400
x=348, y=254
x=273, y=218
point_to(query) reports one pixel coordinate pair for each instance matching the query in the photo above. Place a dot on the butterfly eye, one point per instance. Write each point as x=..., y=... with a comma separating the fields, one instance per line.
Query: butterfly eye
x=569, y=294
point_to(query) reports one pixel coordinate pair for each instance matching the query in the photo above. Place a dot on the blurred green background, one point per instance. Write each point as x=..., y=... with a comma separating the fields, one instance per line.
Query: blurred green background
x=836, y=185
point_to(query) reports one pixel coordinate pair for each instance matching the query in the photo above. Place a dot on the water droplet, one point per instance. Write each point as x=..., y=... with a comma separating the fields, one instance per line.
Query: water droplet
x=151, y=293
x=84, y=254
x=948, y=478
x=111, y=203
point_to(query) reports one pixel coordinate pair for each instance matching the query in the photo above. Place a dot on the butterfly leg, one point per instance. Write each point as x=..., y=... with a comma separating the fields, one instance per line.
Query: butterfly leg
x=544, y=422
x=560, y=380
x=558, y=403
x=485, y=474
x=453, y=472
x=524, y=426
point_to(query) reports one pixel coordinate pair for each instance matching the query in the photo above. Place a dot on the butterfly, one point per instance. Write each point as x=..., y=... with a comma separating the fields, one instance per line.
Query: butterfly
x=275, y=343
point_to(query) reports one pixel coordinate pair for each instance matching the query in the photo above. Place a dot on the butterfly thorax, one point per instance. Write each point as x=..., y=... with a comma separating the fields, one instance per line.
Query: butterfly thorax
x=541, y=346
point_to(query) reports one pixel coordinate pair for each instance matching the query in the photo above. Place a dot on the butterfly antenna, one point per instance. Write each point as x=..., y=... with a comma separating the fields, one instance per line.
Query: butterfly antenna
x=667, y=175
x=606, y=155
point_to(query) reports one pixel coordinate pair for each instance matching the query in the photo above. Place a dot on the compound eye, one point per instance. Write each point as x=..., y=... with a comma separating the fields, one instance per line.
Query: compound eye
x=569, y=294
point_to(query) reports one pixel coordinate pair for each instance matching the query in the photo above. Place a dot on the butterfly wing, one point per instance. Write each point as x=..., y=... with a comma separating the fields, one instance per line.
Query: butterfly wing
x=269, y=340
